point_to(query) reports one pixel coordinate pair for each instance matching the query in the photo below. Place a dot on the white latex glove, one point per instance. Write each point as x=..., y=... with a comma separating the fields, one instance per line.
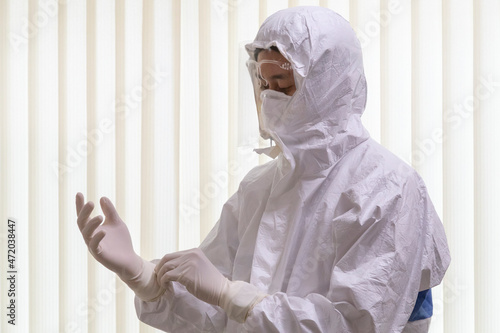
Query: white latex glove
x=202, y=279
x=111, y=245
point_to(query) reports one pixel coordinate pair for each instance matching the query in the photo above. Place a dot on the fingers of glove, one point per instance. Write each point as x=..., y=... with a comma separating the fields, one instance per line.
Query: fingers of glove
x=90, y=227
x=169, y=257
x=94, y=243
x=80, y=200
x=109, y=209
x=84, y=214
x=169, y=265
x=176, y=274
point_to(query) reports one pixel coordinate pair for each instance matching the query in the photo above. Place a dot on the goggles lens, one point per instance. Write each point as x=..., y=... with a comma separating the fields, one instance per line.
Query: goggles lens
x=255, y=68
x=261, y=82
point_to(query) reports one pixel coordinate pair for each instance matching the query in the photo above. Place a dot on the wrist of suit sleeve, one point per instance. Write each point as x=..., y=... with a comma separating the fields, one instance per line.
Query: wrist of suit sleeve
x=238, y=299
x=145, y=285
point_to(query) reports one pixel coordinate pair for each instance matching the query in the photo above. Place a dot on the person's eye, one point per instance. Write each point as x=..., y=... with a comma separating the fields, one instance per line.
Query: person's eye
x=286, y=89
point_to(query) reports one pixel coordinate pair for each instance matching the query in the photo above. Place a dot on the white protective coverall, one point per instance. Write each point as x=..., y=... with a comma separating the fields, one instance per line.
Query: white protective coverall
x=339, y=232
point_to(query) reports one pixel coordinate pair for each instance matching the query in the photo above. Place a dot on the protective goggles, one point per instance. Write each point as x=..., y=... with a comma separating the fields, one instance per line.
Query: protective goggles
x=270, y=69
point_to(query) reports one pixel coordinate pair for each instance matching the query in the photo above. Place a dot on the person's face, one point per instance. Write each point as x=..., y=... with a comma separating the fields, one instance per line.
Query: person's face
x=278, y=79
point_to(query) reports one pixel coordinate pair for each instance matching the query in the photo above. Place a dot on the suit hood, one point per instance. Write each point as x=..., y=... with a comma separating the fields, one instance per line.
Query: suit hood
x=322, y=120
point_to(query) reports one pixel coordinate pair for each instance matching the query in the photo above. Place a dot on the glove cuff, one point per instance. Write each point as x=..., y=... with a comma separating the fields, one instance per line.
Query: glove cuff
x=238, y=298
x=144, y=284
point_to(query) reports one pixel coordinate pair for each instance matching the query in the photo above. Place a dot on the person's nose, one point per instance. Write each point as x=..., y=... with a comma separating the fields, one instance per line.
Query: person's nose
x=275, y=87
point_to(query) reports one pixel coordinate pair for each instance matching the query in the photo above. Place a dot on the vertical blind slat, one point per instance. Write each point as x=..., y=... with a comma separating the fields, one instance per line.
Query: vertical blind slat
x=232, y=78
x=101, y=155
x=189, y=151
x=458, y=195
x=214, y=175
x=147, y=138
x=130, y=93
x=487, y=163
x=207, y=189
x=395, y=80
x=72, y=163
x=340, y=6
x=365, y=18
x=244, y=109
x=14, y=143
x=272, y=6
x=164, y=230
x=426, y=120
x=43, y=183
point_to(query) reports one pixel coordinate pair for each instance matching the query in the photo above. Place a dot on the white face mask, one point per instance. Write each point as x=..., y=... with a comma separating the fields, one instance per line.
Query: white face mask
x=273, y=117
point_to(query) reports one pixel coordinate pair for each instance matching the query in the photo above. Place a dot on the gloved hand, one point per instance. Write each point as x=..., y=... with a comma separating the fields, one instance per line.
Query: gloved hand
x=202, y=279
x=111, y=245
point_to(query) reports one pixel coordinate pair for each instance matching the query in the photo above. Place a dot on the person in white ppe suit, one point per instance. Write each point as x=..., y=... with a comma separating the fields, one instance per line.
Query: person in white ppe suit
x=335, y=234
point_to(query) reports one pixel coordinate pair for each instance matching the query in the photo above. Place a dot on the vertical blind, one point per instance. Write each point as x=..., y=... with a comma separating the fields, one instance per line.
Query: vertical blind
x=149, y=103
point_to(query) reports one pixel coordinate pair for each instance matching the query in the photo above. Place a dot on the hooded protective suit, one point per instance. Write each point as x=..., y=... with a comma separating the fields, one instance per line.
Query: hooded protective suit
x=339, y=232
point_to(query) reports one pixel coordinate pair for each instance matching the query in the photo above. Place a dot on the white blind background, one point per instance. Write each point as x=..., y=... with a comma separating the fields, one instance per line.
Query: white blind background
x=149, y=103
